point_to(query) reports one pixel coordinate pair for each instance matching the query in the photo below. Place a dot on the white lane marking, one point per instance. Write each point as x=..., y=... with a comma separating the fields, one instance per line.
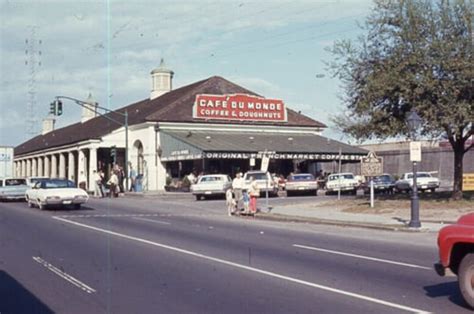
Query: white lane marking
x=152, y=220
x=110, y=215
x=63, y=275
x=361, y=257
x=248, y=268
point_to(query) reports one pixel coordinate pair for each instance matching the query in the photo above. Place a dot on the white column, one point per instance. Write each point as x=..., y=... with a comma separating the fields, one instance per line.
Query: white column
x=62, y=165
x=71, y=167
x=28, y=167
x=81, y=170
x=54, y=166
x=15, y=169
x=23, y=168
x=34, y=168
x=92, y=167
x=47, y=168
x=40, y=167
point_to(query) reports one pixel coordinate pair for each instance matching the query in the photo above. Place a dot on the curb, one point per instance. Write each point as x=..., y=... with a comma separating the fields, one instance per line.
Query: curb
x=299, y=219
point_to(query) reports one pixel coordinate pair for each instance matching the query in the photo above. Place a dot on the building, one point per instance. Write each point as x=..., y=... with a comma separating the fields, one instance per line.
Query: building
x=6, y=161
x=212, y=125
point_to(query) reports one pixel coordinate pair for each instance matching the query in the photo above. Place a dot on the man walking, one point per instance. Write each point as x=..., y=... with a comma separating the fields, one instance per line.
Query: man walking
x=238, y=186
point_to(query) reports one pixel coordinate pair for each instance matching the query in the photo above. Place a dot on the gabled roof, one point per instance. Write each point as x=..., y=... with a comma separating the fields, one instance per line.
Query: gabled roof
x=174, y=106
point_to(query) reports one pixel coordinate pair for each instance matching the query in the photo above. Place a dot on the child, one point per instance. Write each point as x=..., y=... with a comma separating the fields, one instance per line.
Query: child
x=246, y=199
x=230, y=202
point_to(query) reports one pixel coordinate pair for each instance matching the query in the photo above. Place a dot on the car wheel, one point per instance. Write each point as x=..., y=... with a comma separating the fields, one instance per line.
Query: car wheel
x=198, y=197
x=289, y=193
x=77, y=206
x=41, y=206
x=315, y=192
x=433, y=190
x=466, y=278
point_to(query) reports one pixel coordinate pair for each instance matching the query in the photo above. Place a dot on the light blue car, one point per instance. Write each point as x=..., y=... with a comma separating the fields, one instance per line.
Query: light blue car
x=12, y=189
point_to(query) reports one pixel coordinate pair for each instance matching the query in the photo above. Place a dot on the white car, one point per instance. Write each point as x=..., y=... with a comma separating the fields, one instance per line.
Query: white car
x=12, y=189
x=264, y=180
x=55, y=193
x=424, y=181
x=342, y=182
x=211, y=184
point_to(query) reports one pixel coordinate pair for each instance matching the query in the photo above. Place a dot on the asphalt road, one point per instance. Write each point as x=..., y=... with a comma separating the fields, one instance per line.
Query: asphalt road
x=150, y=255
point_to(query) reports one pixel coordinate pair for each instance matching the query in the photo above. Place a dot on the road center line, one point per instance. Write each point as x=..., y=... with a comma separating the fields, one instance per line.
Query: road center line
x=151, y=220
x=361, y=257
x=248, y=268
x=64, y=275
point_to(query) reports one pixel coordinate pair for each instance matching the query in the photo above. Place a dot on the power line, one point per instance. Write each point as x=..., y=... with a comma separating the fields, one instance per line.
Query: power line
x=33, y=62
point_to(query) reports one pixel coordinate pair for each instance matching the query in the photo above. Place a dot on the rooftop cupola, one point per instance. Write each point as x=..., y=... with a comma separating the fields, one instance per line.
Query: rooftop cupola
x=89, y=110
x=161, y=80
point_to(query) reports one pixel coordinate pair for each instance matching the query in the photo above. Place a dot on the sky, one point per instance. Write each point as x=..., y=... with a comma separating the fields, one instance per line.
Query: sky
x=277, y=49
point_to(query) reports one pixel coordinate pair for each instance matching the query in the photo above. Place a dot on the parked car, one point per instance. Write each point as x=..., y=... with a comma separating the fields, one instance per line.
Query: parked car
x=12, y=189
x=301, y=183
x=456, y=254
x=344, y=182
x=424, y=181
x=55, y=193
x=264, y=180
x=384, y=183
x=211, y=184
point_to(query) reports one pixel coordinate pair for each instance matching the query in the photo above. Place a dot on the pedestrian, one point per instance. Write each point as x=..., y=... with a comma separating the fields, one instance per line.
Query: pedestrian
x=254, y=192
x=121, y=177
x=230, y=202
x=238, y=186
x=246, y=201
x=82, y=181
x=133, y=177
x=113, y=183
x=102, y=183
x=97, y=184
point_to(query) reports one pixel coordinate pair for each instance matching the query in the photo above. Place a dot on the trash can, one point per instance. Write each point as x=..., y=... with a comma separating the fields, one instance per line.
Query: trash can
x=138, y=183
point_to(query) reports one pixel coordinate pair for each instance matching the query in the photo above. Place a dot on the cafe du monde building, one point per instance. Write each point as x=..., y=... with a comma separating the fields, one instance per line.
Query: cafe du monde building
x=210, y=126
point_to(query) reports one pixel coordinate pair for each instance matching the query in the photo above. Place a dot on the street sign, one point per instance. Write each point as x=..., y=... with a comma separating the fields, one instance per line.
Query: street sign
x=371, y=165
x=415, y=151
x=265, y=162
x=468, y=182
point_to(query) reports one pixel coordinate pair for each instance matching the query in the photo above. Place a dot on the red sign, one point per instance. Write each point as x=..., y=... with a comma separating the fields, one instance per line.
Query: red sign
x=239, y=107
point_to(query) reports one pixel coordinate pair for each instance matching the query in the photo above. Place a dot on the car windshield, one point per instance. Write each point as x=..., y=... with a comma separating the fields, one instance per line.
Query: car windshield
x=56, y=184
x=301, y=177
x=383, y=178
x=12, y=182
x=211, y=179
x=257, y=176
x=342, y=176
x=419, y=175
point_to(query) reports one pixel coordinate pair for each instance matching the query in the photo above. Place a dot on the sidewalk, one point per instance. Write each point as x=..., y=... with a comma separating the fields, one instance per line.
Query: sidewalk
x=333, y=216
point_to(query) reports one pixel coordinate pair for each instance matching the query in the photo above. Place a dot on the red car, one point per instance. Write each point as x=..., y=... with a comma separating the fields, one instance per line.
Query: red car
x=456, y=252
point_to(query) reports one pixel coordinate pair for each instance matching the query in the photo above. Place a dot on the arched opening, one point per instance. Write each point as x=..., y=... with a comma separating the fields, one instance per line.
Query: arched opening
x=138, y=154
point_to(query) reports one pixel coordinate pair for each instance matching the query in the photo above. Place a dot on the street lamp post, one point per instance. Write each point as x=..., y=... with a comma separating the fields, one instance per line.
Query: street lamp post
x=414, y=121
x=85, y=104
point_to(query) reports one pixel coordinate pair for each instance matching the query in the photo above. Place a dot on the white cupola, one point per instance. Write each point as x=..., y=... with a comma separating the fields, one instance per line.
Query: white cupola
x=89, y=110
x=48, y=124
x=161, y=80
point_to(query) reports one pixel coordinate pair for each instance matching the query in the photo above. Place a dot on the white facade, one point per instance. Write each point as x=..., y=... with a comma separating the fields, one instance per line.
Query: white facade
x=6, y=162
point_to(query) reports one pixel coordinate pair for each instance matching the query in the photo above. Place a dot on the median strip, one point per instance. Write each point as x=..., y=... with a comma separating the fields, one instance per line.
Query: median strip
x=248, y=268
x=361, y=257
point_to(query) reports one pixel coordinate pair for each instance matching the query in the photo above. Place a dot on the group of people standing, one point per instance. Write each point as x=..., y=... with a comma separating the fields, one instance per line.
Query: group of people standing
x=239, y=198
x=115, y=183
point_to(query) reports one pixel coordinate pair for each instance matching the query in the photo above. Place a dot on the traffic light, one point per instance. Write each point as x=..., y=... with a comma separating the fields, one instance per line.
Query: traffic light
x=59, y=107
x=52, y=108
x=113, y=153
